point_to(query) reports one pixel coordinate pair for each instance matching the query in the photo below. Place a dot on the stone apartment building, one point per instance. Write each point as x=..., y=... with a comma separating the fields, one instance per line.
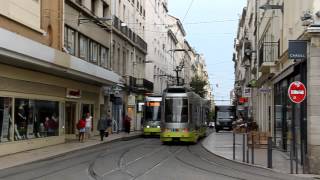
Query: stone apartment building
x=46, y=84
x=261, y=47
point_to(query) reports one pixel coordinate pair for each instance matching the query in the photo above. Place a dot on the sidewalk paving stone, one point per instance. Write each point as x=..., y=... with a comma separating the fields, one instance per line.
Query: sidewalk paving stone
x=221, y=145
x=21, y=158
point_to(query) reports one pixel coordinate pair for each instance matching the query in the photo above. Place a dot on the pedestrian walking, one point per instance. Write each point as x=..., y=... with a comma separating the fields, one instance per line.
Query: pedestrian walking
x=102, y=127
x=109, y=123
x=81, y=126
x=88, y=119
x=127, y=123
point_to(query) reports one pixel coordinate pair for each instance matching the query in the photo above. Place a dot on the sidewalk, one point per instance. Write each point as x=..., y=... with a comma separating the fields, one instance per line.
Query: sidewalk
x=51, y=151
x=222, y=144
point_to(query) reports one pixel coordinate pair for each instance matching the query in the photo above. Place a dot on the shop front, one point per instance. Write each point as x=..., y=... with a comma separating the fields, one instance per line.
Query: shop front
x=290, y=119
x=37, y=112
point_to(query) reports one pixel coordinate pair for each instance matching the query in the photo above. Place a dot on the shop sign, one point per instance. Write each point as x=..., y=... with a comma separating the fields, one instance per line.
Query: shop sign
x=297, y=49
x=247, y=92
x=297, y=92
x=265, y=90
x=243, y=100
x=73, y=93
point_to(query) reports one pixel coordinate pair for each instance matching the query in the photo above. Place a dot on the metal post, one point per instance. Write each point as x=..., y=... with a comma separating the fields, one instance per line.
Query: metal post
x=303, y=157
x=243, y=148
x=247, y=145
x=234, y=146
x=269, y=152
x=252, y=148
x=291, y=156
x=296, y=157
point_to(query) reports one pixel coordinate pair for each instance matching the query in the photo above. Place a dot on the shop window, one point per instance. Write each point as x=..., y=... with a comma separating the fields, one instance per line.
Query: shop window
x=5, y=119
x=83, y=47
x=35, y=119
x=94, y=52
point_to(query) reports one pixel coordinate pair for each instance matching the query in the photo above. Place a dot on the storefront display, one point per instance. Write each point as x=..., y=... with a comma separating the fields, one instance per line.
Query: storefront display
x=35, y=119
x=5, y=118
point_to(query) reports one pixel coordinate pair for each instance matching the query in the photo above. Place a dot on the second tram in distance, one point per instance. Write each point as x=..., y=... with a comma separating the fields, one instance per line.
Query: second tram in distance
x=152, y=115
x=184, y=115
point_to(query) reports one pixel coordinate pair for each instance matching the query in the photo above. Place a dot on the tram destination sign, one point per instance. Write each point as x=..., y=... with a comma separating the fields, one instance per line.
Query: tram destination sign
x=297, y=49
x=297, y=92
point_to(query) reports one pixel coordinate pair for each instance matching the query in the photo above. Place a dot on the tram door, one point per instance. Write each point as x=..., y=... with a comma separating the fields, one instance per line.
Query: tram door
x=71, y=118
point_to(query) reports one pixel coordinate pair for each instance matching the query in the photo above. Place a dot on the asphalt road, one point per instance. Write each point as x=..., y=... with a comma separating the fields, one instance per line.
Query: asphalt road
x=140, y=159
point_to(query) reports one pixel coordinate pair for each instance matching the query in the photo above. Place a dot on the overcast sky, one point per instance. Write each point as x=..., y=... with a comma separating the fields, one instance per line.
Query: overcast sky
x=211, y=27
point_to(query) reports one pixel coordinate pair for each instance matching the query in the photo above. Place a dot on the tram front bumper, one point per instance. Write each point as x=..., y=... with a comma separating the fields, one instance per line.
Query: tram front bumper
x=151, y=131
x=178, y=136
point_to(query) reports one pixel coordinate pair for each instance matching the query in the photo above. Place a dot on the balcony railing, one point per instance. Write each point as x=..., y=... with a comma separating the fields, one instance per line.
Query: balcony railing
x=268, y=52
x=129, y=33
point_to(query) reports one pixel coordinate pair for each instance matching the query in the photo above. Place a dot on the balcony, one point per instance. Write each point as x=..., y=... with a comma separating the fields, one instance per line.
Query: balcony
x=268, y=55
x=144, y=85
x=139, y=84
x=137, y=40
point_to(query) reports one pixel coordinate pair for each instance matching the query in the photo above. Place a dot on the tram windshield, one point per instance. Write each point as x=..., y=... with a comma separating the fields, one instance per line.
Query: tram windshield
x=152, y=111
x=176, y=110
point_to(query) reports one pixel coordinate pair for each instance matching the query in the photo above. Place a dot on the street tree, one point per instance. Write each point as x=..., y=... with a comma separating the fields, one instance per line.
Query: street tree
x=198, y=85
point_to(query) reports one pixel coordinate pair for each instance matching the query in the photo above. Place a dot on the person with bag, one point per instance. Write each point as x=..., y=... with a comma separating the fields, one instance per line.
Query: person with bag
x=102, y=126
x=81, y=126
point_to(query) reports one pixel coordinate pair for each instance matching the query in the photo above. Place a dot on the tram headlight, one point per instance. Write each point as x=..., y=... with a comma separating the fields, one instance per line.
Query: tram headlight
x=148, y=126
x=158, y=126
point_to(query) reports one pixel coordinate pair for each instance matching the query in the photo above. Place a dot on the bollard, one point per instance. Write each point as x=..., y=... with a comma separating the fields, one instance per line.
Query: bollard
x=243, y=148
x=252, y=148
x=291, y=157
x=234, y=146
x=270, y=152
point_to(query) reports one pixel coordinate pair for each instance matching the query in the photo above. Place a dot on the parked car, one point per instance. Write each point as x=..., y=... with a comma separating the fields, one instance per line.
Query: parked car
x=211, y=125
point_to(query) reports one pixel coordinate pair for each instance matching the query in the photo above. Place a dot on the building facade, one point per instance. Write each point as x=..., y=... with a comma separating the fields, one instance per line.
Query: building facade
x=46, y=86
x=292, y=126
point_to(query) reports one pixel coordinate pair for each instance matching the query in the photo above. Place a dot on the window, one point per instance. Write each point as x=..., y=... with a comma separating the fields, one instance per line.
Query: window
x=93, y=6
x=69, y=40
x=138, y=5
x=94, y=52
x=35, y=119
x=105, y=10
x=83, y=47
x=5, y=119
x=124, y=63
x=176, y=110
x=118, y=63
x=124, y=12
x=104, y=57
x=79, y=2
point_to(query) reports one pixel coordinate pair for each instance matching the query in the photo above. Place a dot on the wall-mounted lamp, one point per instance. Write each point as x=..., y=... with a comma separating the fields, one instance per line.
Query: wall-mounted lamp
x=270, y=6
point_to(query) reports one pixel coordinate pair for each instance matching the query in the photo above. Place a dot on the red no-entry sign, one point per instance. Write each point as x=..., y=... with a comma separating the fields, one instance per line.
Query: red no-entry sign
x=297, y=92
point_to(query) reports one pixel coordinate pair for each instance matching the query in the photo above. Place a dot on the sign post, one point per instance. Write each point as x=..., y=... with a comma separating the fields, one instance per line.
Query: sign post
x=297, y=92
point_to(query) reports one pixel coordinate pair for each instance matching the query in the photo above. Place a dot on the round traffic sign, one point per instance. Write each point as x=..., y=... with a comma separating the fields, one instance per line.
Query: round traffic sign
x=297, y=92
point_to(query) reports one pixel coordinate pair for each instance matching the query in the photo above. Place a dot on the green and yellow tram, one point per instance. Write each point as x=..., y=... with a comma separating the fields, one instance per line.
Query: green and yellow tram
x=152, y=115
x=184, y=115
